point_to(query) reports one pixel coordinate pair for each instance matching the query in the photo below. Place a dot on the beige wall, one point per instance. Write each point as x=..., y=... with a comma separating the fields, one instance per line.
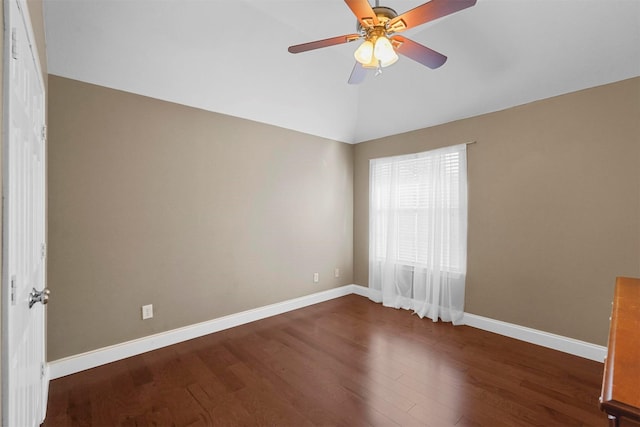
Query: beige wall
x=554, y=206
x=37, y=22
x=200, y=214
x=204, y=215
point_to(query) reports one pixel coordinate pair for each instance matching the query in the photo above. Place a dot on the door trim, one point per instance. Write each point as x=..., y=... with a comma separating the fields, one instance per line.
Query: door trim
x=5, y=301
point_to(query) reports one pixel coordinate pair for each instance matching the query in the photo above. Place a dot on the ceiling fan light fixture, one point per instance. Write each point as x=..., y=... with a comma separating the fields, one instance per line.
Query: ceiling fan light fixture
x=391, y=61
x=373, y=64
x=364, y=53
x=384, y=52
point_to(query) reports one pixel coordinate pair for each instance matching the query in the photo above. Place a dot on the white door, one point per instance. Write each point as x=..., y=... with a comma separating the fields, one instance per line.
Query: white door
x=24, y=373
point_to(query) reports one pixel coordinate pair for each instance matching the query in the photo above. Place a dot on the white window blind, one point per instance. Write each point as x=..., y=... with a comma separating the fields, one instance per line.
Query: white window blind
x=419, y=200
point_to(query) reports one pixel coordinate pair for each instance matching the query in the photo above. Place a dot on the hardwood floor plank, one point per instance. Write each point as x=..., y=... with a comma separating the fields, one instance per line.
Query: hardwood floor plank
x=225, y=408
x=344, y=362
x=359, y=382
x=346, y=381
x=266, y=406
x=79, y=407
x=288, y=378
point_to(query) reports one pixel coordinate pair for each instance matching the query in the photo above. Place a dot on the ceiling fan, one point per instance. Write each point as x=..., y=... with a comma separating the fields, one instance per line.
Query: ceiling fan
x=377, y=26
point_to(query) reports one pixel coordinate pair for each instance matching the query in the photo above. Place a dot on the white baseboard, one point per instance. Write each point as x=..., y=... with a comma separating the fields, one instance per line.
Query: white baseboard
x=46, y=374
x=534, y=336
x=80, y=362
x=91, y=359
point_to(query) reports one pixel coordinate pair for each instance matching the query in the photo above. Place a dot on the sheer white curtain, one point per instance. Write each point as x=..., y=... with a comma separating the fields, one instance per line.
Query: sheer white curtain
x=418, y=232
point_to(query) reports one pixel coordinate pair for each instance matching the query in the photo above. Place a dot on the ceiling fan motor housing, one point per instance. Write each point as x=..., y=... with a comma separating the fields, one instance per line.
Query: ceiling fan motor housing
x=383, y=13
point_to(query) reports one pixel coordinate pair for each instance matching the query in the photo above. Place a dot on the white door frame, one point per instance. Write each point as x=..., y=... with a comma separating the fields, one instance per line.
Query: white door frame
x=17, y=24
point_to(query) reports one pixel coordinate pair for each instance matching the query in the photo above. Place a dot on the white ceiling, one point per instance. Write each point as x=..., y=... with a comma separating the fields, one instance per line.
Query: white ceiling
x=230, y=56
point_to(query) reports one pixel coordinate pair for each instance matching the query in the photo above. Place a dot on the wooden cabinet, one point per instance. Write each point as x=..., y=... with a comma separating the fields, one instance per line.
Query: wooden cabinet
x=620, y=397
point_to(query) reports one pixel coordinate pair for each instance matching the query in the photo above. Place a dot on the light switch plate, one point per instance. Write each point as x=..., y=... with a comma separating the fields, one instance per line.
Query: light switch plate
x=147, y=311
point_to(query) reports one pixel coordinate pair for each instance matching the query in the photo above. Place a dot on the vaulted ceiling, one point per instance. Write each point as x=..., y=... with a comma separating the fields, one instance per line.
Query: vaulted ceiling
x=230, y=56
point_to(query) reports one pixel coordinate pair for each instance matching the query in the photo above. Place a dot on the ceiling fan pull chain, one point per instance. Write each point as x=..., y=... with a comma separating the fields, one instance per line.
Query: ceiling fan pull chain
x=378, y=70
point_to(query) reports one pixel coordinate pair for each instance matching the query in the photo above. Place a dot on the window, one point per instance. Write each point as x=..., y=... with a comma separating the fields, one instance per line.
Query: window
x=418, y=232
x=426, y=210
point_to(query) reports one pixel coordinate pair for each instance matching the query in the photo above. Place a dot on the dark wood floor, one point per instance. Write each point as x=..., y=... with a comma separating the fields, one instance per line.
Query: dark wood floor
x=346, y=362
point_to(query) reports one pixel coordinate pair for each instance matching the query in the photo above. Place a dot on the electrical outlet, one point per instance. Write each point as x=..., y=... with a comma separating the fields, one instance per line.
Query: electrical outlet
x=147, y=311
x=316, y=277
x=336, y=272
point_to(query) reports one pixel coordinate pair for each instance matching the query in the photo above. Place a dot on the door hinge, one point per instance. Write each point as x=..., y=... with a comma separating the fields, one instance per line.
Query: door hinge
x=42, y=370
x=14, y=43
x=13, y=290
x=43, y=250
x=44, y=133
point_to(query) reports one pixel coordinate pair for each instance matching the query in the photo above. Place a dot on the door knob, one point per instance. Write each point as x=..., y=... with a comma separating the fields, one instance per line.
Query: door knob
x=38, y=296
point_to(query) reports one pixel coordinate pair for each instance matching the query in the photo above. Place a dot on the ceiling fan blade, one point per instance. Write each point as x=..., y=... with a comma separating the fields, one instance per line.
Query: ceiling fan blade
x=323, y=43
x=418, y=52
x=427, y=12
x=363, y=11
x=357, y=74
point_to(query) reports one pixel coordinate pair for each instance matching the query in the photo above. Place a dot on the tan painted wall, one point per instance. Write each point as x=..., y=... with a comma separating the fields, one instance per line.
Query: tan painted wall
x=200, y=214
x=143, y=211
x=554, y=206
x=37, y=22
